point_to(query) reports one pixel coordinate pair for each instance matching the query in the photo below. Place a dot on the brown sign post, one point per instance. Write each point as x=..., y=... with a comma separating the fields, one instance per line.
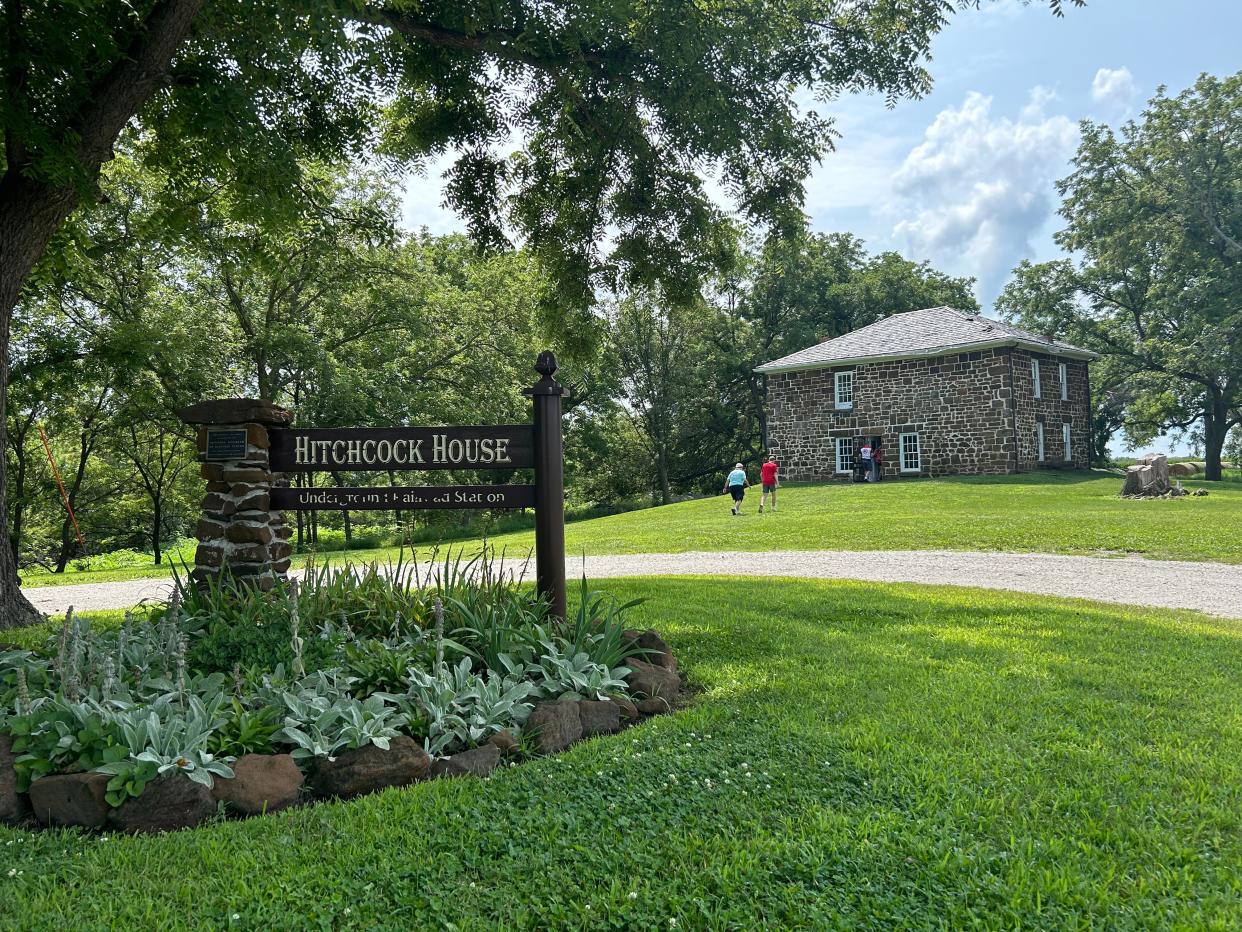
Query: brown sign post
x=549, y=485
x=246, y=449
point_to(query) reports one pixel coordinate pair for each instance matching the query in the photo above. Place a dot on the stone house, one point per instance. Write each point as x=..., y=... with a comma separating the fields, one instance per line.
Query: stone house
x=944, y=392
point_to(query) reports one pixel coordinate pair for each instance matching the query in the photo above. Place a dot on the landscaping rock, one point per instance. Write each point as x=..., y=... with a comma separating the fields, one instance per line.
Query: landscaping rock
x=1199, y=492
x=648, y=681
x=261, y=783
x=628, y=709
x=365, y=769
x=653, y=706
x=599, y=717
x=505, y=743
x=555, y=725
x=13, y=805
x=477, y=762
x=71, y=799
x=172, y=802
x=659, y=652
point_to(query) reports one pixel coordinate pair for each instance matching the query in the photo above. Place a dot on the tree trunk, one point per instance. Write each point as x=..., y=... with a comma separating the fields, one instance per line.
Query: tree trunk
x=666, y=494
x=32, y=211
x=1215, y=430
x=19, y=505
x=157, y=521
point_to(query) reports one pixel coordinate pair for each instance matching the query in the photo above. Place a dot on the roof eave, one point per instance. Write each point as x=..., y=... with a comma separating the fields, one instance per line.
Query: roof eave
x=1069, y=352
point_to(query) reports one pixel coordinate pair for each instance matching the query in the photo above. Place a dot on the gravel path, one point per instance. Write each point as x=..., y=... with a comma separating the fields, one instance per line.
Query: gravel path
x=1215, y=588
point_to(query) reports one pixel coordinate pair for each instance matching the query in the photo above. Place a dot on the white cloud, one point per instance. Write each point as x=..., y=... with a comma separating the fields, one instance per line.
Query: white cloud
x=1114, y=87
x=975, y=193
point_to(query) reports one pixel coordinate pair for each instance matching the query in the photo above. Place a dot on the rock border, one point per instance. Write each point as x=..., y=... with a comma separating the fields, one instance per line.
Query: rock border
x=266, y=783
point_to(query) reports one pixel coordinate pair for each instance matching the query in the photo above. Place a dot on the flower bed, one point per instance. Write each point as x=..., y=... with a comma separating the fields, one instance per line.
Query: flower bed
x=356, y=680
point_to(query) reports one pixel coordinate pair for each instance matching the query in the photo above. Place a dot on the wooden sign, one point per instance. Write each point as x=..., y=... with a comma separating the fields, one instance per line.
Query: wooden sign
x=404, y=498
x=326, y=449
x=228, y=444
x=537, y=446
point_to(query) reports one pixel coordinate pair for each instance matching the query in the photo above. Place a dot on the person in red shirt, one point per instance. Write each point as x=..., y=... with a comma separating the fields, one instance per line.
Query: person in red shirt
x=767, y=474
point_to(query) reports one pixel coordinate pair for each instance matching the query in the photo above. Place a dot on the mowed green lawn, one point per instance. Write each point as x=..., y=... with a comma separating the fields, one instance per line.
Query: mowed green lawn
x=860, y=755
x=1075, y=512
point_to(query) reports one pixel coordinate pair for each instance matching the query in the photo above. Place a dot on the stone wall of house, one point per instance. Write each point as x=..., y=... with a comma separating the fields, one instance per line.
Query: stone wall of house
x=1051, y=411
x=959, y=405
x=975, y=414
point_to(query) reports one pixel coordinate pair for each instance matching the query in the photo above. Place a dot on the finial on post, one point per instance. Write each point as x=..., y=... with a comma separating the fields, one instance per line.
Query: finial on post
x=546, y=364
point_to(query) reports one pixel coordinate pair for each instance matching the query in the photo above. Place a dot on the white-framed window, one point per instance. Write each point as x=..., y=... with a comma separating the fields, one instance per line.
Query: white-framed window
x=844, y=385
x=1064, y=383
x=911, y=457
x=1039, y=440
x=1065, y=441
x=1035, y=379
x=845, y=454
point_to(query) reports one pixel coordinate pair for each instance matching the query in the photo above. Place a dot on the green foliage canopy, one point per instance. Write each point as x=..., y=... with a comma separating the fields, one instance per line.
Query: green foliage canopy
x=1154, y=210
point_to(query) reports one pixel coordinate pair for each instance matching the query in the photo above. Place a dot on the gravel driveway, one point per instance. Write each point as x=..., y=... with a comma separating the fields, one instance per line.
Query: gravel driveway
x=1214, y=588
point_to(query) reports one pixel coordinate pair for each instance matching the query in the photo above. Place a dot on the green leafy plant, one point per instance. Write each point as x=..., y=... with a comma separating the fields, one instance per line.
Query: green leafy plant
x=559, y=672
x=244, y=730
x=598, y=629
x=319, y=726
x=463, y=708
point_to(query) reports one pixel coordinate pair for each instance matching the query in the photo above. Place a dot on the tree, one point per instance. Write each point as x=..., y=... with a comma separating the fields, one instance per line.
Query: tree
x=1155, y=212
x=621, y=105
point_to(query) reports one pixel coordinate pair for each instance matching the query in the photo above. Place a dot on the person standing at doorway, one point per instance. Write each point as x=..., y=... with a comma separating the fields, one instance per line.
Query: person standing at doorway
x=864, y=461
x=877, y=462
x=768, y=477
x=736, y=484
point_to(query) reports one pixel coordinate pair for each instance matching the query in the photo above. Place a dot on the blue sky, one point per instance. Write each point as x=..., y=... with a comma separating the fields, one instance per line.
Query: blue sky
x=965, y=177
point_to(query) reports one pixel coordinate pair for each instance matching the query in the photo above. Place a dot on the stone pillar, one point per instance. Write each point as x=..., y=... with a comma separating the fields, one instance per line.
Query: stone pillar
x=238, y=532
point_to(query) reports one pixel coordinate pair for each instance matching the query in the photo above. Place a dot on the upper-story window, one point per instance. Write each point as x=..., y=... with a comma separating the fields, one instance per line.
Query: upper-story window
x=844, y=383
x=1035, y=377
x=1064, y=383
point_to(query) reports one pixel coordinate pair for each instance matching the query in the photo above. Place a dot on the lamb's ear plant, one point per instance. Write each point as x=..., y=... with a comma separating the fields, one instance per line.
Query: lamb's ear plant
x=561, y=673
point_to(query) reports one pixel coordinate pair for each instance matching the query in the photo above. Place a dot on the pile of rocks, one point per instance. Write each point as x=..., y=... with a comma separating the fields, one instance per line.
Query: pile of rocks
x=1150, y=477
x=265, y=783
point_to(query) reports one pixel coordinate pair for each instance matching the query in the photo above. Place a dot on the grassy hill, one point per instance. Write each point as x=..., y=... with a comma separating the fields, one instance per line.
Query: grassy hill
x=1054, y=512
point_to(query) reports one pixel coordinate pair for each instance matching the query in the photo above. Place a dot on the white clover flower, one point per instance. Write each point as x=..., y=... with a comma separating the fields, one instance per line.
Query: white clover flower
x=633, y=895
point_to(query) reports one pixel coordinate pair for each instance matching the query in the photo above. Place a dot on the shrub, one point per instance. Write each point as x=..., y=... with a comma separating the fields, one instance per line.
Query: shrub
x=350, y=657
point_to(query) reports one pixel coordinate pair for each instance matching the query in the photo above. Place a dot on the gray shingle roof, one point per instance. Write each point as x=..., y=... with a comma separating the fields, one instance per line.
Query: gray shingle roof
x=933, y=331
